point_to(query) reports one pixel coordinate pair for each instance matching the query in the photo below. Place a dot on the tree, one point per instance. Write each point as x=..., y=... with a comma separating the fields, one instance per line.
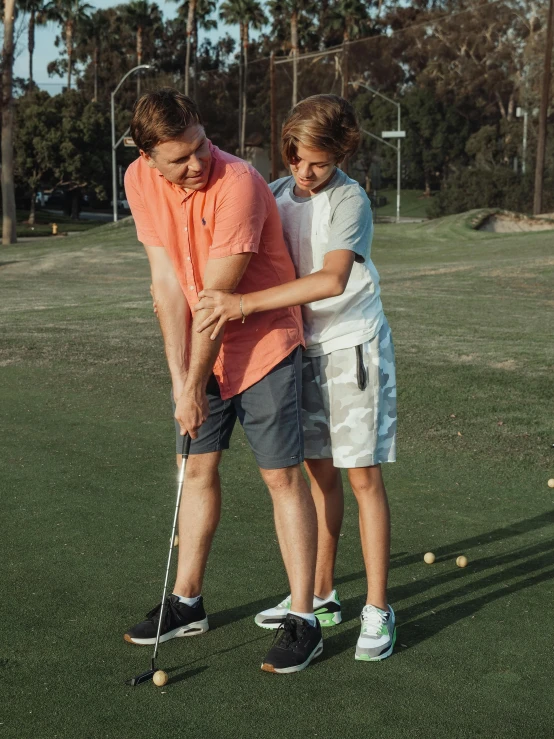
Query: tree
x=83, y=157
x=96, y=28
x=246, y=14
x=37, y=141
x=69, y=14
x=201, y=16
x=8, y=191
x=297, y=11
x=142, y=16
x=37, y=17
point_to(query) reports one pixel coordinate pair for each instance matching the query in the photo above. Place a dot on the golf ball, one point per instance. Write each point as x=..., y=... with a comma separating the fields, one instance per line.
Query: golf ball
x=160, y=678
x=551, y=482
x=176, y=540
x=461, y=561
x=429, y=558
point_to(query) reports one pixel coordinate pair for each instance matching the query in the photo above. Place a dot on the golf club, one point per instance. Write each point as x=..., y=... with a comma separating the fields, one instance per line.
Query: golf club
x=150, y=673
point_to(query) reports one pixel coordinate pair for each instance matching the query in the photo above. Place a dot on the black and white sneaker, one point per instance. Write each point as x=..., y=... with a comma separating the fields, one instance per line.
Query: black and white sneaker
x=179, y=619
x=327, y=612
x=295, y=645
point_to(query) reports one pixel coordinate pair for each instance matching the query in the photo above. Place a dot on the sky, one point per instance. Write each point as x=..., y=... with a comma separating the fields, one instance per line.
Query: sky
x=46, y=51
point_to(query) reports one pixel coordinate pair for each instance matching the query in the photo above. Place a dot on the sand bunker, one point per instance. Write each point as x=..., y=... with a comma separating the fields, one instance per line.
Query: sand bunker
x=505, y=223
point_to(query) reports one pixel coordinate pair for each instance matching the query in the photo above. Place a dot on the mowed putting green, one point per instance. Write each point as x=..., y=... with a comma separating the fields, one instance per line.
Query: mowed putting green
x=88, y=487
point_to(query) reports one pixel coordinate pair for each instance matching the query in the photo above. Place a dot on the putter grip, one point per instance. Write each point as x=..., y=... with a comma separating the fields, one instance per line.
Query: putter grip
x=186, y=446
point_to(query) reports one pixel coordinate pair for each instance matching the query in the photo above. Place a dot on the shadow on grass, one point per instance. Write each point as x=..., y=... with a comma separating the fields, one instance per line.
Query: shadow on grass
x=249, y=610
x=185, y=675
x=528, y=563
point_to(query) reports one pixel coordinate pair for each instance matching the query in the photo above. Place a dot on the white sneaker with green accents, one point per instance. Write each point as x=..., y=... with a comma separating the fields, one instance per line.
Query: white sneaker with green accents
x=327, y=612
x=377, y=635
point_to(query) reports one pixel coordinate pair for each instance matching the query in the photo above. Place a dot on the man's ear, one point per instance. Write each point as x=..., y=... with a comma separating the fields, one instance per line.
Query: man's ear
x=148, y=159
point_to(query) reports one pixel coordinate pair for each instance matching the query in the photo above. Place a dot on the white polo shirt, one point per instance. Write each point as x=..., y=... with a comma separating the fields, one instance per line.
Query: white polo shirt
x=337, y=217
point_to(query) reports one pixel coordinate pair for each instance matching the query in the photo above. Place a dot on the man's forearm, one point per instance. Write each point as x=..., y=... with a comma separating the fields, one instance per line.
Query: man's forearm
x=203, y=353
x=174, y=316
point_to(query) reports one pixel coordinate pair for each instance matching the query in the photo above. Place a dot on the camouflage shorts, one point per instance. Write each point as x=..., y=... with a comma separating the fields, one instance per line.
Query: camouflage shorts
x=355, y=427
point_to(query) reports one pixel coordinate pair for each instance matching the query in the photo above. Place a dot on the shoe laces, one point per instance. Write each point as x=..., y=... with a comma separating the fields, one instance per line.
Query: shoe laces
x=372, y=620
x=287, y=633
x=169, y=611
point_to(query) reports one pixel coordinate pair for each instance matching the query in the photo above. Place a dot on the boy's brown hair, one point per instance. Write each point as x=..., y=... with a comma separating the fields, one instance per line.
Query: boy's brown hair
x=161, y=116
x=325, y=122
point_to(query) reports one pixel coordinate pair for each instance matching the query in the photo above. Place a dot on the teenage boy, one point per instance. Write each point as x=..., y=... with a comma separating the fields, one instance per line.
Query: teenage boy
x=349, y=386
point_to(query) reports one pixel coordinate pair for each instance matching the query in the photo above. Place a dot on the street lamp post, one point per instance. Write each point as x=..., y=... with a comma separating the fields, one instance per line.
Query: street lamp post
x=114, y=144
x=398, y=134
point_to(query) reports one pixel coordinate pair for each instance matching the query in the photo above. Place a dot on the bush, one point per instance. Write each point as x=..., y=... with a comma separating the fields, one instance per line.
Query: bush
x=498, y=187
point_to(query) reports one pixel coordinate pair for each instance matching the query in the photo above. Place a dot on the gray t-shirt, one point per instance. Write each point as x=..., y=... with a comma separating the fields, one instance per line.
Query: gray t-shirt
x=337, y=217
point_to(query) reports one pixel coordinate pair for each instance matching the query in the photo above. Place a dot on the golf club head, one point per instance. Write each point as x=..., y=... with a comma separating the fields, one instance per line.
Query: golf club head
x=144, y=678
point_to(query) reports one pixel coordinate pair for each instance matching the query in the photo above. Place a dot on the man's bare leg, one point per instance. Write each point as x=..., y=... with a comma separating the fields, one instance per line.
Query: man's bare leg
x=199, y=515
x=328, y=497
x=296, y=525
x=369, y=489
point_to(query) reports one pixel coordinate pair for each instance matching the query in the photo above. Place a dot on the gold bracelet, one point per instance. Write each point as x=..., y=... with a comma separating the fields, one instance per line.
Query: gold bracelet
x=241, y=310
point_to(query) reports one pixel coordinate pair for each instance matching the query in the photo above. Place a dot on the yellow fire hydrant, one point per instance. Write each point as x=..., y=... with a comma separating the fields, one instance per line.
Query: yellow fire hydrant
x=54, y=229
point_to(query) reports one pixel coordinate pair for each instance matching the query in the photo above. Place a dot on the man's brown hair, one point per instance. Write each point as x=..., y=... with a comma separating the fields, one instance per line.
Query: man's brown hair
x=162, y=116
x=325, y=122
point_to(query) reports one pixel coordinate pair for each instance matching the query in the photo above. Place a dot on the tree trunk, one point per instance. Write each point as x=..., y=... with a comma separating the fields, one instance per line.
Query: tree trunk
x=294, y=46
x=139, y=57
x=95, y=71
x=8, y=192
x=69, y=47
x=75, y=205
x=543, y=113
x=32, y=211
x=190, y=23
x=31, y=46
x=241, y=33
x=427, y=191
x=244, y=96
x=195, y=62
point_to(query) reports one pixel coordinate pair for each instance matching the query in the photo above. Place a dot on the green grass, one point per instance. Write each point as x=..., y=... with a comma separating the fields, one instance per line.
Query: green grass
x=88, y=486
x=43, y=224
x=412, y=204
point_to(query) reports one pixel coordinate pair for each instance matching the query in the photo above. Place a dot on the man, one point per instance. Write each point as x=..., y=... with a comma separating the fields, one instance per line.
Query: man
x=208, y=220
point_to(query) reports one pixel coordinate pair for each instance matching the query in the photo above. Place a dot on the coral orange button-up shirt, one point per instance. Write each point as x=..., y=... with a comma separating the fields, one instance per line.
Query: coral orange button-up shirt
x=235, y=213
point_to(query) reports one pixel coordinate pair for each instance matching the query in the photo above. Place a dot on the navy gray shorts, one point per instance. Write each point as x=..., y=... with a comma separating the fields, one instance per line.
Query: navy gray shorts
x=270, y=413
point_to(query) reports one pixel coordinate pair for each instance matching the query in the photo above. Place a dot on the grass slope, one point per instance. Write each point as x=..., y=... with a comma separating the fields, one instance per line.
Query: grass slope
x=88, y=490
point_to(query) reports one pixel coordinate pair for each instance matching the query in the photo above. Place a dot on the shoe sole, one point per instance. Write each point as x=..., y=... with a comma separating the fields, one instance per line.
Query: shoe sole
x=325, y=621
x=266, y=667
x=194, y=629
x=367, y=658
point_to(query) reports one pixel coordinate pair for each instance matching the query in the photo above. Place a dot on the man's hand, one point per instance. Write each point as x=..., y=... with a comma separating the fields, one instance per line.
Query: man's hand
x=191, y=410
x=224, y=306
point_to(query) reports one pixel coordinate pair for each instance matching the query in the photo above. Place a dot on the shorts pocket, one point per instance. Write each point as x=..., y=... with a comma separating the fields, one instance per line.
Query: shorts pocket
x=361, y=372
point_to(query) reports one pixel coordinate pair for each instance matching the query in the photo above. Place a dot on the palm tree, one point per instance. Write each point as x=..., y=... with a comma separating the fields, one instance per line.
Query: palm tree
x=69, y=14
x=292, y=9
x=37, y=17
x=245, y=14
x=200, y=14
x=142, y=15
x=96, y=28
x=8, y=190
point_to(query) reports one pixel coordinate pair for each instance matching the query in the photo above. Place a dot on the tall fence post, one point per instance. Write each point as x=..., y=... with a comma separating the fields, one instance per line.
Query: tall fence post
x=541, y=139
x=273, y=114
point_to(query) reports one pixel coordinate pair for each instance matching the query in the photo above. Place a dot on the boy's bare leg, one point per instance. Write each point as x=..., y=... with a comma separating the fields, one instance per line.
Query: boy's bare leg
x=296, y=525
x=369, y=489
x=328, y=497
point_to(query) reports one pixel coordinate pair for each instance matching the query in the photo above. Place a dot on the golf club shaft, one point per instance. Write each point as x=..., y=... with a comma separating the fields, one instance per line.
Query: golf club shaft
x=185, y=454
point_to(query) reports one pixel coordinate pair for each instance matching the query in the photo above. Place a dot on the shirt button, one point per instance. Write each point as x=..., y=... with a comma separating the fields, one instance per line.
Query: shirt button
x=191, y=287
x=186, y=228
x=188, y=259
